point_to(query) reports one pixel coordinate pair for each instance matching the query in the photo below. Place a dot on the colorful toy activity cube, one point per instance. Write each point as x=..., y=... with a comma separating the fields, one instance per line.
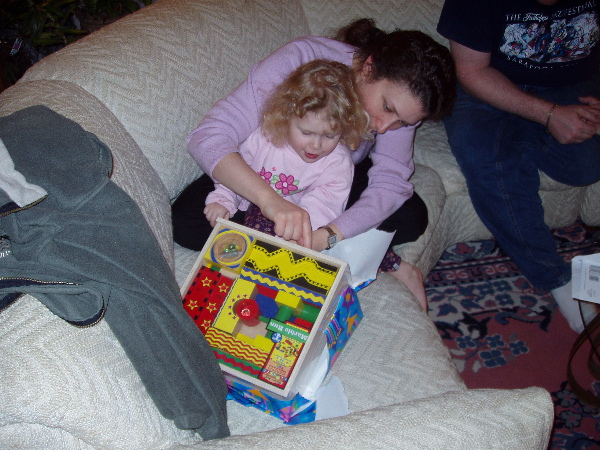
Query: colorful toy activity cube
x=264, y=305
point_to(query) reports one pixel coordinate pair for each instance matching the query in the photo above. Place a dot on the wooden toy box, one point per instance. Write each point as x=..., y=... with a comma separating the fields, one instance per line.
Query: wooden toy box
x=264, y=305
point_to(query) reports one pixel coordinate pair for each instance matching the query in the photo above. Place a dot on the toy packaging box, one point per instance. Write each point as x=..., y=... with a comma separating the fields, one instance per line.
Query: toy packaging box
x=271, y=312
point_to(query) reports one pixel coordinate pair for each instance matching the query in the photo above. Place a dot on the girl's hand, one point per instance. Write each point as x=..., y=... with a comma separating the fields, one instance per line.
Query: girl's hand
x=212, y=211
x=292, y=223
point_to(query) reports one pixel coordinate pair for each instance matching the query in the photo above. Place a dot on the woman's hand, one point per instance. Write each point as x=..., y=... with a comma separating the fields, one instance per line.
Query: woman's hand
x=320, y=237
x=212, y=211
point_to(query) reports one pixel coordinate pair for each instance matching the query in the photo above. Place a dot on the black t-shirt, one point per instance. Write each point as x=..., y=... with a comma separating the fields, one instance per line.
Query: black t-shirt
x=530, y=43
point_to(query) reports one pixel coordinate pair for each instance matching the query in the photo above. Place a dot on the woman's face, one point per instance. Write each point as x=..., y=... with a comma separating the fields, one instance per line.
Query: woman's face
x=390, y=105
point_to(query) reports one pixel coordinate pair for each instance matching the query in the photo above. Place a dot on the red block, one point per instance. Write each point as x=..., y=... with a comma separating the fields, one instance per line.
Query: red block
x=205, y=296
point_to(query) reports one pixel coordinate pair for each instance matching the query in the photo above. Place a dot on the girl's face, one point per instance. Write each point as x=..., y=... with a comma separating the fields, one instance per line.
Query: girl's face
x=311, y=136
x=390, y=105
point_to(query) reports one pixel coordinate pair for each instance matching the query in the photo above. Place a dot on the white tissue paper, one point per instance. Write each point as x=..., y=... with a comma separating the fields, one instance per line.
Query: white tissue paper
x=363, y=253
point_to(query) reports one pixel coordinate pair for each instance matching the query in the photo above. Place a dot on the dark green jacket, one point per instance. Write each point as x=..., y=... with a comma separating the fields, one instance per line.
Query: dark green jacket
x=86, y=252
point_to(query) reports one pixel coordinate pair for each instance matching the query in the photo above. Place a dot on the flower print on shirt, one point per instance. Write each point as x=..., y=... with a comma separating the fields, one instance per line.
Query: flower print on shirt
x=282, y=183
x=266, y=175
x=285, y=184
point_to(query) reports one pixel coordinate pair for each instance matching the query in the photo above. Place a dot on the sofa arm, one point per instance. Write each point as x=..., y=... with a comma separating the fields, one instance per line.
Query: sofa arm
x=590, y=209
x=472, y=419
x=426, y=251
x=132, y=171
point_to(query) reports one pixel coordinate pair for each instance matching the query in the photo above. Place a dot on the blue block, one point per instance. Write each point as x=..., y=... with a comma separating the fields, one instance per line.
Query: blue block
x=268, y=307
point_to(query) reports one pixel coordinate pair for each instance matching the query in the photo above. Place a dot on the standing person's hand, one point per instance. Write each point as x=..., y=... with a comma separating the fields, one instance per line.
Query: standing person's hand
x=594, y=104
x=567, y=123
x=573, y=124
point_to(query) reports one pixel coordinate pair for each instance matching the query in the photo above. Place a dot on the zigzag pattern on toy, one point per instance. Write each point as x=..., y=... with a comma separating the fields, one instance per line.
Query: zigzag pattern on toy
x=285, y=266
x=236, y=348
x=242, y=366
x=269, y=281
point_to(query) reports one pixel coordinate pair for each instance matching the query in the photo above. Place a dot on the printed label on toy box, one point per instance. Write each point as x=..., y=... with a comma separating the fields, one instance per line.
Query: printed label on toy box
x=281, y=361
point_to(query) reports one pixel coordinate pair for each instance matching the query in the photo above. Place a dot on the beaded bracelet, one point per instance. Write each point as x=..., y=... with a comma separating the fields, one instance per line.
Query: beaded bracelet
x=548, y=118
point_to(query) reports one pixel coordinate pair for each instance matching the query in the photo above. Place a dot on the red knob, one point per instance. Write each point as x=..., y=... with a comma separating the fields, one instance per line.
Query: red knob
x=248, y=311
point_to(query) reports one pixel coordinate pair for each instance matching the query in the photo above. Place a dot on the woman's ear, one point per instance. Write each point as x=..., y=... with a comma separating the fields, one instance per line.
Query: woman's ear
x=366, y=70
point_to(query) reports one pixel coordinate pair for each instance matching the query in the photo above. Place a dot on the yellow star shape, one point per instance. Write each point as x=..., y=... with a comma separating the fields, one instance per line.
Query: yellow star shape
x=206, y=282
x=193, y=304
x=211, y=307
x=351, y=320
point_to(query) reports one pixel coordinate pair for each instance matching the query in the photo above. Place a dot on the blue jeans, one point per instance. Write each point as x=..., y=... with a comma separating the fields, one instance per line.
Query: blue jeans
x=500, y=155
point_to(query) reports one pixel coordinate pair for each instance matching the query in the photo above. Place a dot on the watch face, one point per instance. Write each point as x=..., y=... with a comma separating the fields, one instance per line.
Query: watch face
x=331, y=240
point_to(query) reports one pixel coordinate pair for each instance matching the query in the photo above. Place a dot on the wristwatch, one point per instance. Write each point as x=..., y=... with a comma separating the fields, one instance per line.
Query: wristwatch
x=331, y=239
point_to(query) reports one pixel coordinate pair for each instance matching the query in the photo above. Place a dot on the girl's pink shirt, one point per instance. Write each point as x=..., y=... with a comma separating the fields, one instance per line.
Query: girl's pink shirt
x=231, y=120
x=321, y=187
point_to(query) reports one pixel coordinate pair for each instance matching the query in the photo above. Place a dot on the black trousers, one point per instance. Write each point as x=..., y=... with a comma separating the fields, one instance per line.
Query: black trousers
x=191, y=229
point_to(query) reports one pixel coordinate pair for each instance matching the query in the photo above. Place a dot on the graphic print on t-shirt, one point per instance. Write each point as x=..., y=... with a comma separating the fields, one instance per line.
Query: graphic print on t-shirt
x=563, y=37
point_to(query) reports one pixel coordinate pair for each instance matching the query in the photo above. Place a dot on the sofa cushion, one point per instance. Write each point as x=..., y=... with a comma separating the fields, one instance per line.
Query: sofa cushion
x=75, y=384
x=396, y=346
x=160, y=104
x=430, y=187
x=325, y=18
x=464, y=420
x=590, y=211
x=53, y=396
x=78, y=387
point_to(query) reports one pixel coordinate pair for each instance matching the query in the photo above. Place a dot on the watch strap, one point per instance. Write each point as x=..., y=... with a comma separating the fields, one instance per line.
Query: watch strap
x=332, y=239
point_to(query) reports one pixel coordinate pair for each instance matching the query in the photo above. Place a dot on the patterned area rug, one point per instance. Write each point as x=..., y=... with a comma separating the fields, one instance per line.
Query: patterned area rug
x=503, y=333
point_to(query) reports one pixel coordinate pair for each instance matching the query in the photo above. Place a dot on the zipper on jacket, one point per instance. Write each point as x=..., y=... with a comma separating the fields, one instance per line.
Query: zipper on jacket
x=21, y=208
x=96, y=320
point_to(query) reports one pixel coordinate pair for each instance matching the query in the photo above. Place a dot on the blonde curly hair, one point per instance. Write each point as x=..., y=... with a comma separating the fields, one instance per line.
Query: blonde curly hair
x=316, y=87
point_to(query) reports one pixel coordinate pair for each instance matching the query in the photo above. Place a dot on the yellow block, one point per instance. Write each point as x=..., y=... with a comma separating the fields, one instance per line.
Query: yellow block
x=227, y=319
x=263, y=343
x=287, y=299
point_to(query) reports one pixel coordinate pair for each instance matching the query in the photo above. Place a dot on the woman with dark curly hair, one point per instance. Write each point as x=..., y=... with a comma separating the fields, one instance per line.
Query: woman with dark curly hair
x=401, y=78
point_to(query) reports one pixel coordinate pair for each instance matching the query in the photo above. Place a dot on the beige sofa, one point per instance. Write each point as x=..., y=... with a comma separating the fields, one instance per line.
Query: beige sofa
x=141, y=85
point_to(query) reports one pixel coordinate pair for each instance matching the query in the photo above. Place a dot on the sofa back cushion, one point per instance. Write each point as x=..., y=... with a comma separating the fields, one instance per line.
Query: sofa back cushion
x=159, y=70
x=325, y=18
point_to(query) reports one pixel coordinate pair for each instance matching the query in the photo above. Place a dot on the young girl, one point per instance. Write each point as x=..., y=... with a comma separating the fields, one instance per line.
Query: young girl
x=301, y=147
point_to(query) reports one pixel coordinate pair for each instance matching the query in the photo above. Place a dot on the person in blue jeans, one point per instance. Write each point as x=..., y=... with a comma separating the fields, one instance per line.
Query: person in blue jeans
x=528, y=100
